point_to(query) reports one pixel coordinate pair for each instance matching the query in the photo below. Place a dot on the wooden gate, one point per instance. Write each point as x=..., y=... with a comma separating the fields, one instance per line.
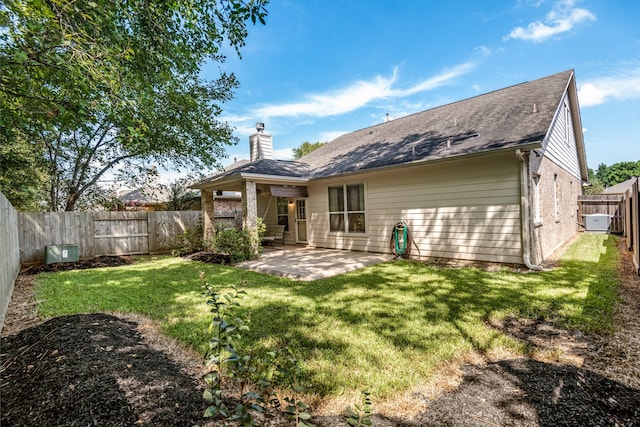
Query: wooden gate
x=608, y=204
x=120, y=233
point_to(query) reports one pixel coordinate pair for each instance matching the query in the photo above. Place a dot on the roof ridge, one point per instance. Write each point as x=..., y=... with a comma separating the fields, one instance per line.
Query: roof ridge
x=466, y=99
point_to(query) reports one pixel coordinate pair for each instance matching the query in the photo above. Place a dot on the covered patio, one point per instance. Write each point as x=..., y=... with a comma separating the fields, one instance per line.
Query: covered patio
x=304, y=263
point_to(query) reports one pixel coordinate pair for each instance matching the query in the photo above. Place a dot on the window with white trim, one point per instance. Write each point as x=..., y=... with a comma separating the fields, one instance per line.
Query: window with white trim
x=537, y=214
x=346, y=208
x=567, y=125
x=283, y=212
x=556, y=204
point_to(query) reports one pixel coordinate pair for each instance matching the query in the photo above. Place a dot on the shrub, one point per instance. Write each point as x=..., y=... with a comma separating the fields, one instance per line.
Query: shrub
x=189, y=241
x=238, y=244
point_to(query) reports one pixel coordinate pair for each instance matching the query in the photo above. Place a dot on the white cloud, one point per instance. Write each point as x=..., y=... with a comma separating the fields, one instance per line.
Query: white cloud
x=483, y=50
x=563, y=17
x=330, y=135
x=601, y=90
x=283, y=154
x=358, y=95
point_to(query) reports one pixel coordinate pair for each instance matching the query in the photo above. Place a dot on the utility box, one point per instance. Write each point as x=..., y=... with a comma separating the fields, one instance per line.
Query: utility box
x=597, y=222
x=60, y=253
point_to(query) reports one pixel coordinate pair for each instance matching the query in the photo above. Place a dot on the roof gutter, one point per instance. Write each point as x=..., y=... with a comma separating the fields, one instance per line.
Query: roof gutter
x=524, y=207
x=275, y=178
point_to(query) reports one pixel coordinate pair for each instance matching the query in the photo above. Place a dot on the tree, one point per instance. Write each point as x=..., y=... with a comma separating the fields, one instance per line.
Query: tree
x=99, y=86
x=180, y=196
x=22, y=176
x=596, y=186
x=305, y=148
x=617, y=172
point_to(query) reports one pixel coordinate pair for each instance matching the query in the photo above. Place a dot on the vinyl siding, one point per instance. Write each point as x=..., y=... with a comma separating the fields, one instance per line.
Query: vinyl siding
x=463, y=209
x=560, y=146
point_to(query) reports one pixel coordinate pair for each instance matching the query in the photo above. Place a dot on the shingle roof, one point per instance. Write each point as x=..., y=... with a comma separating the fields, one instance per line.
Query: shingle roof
x=501, y=119
x=505, y=118
x=621, y=187
x=286, y=168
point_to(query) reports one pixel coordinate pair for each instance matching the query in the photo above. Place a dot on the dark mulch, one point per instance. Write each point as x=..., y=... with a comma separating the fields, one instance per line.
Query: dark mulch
x=210, y=257
x=83, y=264
x=92, y=370
x=525, y=392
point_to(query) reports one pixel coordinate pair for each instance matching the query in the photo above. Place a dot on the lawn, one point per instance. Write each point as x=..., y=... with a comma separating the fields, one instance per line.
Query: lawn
x=385, y=328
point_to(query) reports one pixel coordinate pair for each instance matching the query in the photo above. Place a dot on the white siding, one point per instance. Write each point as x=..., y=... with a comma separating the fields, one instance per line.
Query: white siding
x=560, y=147
x=464, y=209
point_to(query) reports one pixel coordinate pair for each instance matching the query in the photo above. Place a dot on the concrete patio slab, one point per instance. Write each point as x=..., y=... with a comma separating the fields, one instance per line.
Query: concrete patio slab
x=302, y=263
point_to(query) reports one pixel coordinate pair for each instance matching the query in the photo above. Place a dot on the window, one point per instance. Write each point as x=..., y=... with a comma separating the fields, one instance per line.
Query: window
x=556, y=206
x=346, y=208
x=537, y=214
x=283, y=212
x=567, y=125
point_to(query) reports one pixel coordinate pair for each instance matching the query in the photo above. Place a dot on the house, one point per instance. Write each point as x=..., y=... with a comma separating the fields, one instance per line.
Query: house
x=490, y=178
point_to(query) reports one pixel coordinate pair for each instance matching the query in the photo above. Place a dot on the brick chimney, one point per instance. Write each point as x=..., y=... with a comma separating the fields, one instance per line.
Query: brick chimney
x=260, y=144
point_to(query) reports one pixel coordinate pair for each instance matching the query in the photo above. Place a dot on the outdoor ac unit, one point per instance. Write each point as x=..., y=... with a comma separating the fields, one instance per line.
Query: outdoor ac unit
x=60, y=253
x=597, y=222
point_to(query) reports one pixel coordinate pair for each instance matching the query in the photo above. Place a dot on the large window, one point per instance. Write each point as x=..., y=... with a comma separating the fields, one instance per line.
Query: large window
x=346, y=208
x=283, y=212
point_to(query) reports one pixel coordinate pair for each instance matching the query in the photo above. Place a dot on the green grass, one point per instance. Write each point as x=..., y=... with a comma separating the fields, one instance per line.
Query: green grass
x=385, y=328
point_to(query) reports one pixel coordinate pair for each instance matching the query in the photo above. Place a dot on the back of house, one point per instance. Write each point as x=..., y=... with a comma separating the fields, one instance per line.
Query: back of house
x=491, y=178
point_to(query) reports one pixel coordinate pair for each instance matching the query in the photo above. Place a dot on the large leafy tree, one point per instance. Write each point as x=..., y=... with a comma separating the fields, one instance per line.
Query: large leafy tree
x=305, y=148
x=617, y=172
x=101, y=87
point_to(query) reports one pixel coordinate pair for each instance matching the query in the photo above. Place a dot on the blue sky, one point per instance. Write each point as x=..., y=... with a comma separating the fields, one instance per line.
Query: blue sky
x=321, y=68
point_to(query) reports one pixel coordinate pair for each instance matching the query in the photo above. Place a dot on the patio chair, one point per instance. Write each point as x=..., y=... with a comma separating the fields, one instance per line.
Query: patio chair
x=274, y=233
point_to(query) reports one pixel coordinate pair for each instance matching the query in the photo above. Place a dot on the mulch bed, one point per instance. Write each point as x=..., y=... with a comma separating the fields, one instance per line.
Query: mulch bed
x=100, y=369
x=93, y=370
x=526, y=392
x=83, y=264
x=209, y=257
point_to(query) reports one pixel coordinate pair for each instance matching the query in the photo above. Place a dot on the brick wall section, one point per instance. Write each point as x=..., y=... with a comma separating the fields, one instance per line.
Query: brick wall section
x=555, y=230
x=228, y=205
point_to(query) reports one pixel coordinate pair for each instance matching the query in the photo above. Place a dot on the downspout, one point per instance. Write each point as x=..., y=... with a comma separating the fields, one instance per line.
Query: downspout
x=524, y=218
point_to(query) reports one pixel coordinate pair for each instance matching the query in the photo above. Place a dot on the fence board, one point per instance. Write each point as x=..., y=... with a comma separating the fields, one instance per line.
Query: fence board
x=121, y=236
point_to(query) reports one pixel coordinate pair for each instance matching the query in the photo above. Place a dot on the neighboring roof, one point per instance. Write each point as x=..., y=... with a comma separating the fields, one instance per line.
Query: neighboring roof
x=621, y=187
x=518, y=116
x=149, y=196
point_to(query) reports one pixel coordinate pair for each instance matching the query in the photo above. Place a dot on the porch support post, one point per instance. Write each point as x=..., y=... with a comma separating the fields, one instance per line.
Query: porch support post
x=208, y=216
x=250, y=214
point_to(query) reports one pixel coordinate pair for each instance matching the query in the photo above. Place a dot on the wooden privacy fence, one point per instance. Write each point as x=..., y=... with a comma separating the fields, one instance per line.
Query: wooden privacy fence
x=101, y=233
x=632, y=221
x=9, y=253
x=607, y=204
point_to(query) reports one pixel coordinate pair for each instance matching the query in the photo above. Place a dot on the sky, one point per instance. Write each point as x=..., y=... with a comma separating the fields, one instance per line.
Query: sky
x=322, y=68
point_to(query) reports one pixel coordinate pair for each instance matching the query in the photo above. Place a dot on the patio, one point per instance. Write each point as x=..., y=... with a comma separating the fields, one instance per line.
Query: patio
x=304, y=263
